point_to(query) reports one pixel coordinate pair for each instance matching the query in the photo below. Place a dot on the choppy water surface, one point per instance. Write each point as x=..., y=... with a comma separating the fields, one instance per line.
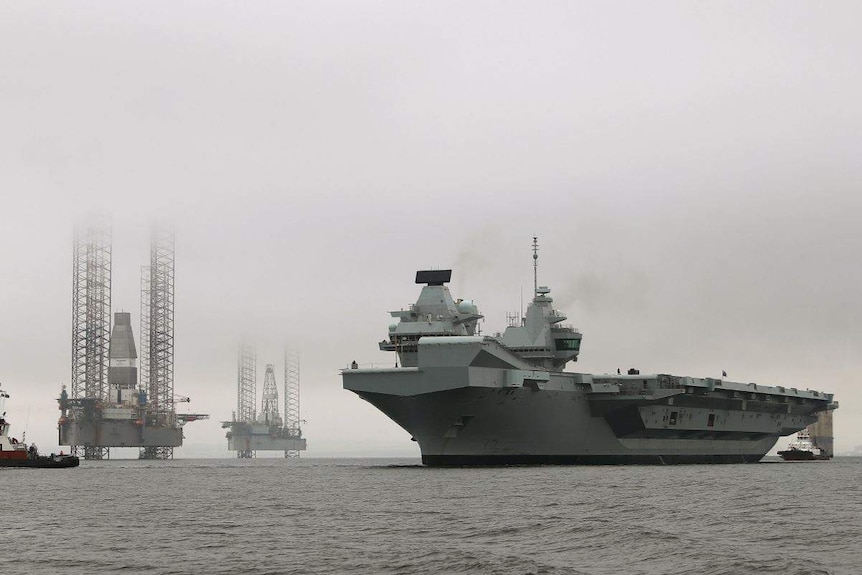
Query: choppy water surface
x=393, y=516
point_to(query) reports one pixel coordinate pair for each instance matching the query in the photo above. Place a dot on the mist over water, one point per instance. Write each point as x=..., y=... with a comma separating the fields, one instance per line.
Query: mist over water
x=395, y=516
x=690, y=169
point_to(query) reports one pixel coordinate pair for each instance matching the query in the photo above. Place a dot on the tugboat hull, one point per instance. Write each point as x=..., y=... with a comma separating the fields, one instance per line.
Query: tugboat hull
x=45, y=462
x=14, y=453
x=801, y=455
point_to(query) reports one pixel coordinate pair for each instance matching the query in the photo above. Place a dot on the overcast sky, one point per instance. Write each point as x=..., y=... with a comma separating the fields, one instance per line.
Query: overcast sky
x=691, y=169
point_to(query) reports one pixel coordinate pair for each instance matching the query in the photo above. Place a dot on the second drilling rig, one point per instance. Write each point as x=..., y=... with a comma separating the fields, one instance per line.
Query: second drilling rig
x=268, y=430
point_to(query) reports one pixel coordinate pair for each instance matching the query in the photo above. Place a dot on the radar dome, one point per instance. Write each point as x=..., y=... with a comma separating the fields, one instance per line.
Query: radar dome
x=467, y=307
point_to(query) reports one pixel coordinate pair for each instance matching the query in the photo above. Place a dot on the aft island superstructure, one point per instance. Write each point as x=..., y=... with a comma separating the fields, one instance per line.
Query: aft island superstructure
x=471, y=399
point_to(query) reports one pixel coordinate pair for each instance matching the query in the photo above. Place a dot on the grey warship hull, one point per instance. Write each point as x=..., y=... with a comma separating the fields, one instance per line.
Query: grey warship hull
x=520, y=427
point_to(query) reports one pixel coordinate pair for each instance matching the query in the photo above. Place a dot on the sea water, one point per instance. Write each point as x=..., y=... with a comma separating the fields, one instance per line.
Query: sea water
x=307, y=516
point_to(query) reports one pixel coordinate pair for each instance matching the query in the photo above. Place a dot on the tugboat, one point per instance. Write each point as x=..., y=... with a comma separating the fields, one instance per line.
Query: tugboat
x=14, y=453
x=803, y=449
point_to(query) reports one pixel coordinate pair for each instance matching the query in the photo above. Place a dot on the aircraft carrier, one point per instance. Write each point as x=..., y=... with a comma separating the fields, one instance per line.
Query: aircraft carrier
x=471, y=399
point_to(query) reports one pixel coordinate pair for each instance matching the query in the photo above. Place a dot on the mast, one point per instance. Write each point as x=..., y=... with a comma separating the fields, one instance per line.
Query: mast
x=535, y=267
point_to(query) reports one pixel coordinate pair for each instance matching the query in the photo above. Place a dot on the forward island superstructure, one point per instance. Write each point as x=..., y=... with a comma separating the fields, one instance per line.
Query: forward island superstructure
x=471, y=399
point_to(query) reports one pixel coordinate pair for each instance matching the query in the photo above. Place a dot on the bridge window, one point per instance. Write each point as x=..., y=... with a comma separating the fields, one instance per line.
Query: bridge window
x=568, y=344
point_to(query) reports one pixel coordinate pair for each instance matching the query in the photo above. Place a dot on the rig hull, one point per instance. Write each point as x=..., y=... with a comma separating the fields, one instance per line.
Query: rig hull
x=261, y=437
x=117, y=433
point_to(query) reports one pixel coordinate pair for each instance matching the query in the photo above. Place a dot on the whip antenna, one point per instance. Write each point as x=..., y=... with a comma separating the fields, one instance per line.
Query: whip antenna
x=535, y=266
